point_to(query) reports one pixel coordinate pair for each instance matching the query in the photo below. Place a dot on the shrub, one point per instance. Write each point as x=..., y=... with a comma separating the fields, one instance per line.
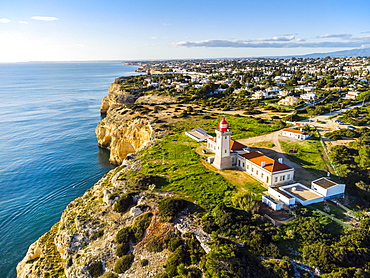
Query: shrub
x=124, y=235
x=140, y=225
x=142, y=182
x=123, y=263
x=110, y=275
x=170, y=207
x=124, y=203
x=194, y=272
x=96, y=269
x=174, y=243
x=144, y=262
x=99, y=233
x=122, y=249
x=180, y=256
x=154, y=245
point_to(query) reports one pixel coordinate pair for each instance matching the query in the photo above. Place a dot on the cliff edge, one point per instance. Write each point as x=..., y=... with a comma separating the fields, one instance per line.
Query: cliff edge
x=87, y=239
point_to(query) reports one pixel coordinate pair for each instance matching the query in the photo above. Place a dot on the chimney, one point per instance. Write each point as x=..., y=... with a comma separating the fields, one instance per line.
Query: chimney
x=263, y=164
x=280, y=160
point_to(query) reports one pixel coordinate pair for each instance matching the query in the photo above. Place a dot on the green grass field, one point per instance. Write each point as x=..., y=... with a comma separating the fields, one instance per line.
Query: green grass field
x=308, y=153
x=242, y=127
x=175, y=159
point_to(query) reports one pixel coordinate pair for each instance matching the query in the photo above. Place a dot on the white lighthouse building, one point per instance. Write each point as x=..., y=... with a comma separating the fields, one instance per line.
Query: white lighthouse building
x=232, y=154
x=223, y=158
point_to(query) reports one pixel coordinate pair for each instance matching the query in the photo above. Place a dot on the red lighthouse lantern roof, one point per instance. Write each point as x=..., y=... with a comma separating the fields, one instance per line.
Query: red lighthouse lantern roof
x=223, y=126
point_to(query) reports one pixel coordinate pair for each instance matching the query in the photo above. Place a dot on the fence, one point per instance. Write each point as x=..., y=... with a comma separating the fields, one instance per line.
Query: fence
x=327, y=153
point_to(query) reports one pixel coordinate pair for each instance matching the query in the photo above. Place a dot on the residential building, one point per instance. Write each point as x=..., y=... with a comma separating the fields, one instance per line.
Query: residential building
x=294, y=133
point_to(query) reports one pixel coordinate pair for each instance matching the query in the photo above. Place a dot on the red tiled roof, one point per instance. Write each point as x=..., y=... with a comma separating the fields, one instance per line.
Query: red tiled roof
x=234, y=145
x=271, y=164
x=295, y=131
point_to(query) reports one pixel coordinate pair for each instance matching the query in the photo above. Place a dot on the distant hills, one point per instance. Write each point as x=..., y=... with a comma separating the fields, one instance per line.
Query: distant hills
x=359, y=52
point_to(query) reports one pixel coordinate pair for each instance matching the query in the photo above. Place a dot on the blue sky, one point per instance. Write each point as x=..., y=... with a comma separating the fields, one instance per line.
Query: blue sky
x=40, y=30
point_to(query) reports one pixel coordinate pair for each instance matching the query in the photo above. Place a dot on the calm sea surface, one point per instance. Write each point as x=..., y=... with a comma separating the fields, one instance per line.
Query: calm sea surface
x=48, y=150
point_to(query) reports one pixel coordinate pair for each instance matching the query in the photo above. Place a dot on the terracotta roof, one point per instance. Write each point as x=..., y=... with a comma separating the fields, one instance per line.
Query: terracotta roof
x=295, y=131
x=234, y=145
x=271, y=164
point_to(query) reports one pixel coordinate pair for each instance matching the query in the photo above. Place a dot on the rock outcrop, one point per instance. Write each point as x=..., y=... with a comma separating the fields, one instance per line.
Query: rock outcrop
x=116, y=98
x=122, y=131
x=122, y=136
x=86, y=234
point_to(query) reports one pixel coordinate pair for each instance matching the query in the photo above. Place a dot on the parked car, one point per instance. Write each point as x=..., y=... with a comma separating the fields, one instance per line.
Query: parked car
x=351, y=127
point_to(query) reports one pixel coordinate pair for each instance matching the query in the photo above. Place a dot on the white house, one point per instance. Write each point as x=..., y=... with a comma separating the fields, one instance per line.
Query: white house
x=272, y=203
x=308, y=96
x=264, y=168
x=296, y=134
x=289, y=100
x=230, y=154
x=328, y=188
x=352, y=95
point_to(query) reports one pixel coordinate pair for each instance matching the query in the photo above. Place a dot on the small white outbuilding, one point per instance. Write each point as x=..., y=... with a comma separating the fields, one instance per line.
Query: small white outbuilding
x=328, y=188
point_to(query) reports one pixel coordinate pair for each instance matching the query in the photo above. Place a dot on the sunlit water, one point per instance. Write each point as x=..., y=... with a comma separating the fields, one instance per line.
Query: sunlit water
x=48, y=149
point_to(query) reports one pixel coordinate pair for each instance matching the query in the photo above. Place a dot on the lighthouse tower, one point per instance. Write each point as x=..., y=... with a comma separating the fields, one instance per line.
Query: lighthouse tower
x=222, y=157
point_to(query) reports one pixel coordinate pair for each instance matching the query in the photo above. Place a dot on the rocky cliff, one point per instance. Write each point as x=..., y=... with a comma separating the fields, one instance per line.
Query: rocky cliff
x=122, y=135
x=84, y=242
x=123, y=130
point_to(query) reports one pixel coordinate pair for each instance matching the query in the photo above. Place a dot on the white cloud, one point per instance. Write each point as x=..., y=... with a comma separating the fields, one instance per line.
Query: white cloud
x=23, y=22
x=341, y=36
x=276, y=38
x=154, y=38
x=45, y=18
x=259, y=44
x=5, y=20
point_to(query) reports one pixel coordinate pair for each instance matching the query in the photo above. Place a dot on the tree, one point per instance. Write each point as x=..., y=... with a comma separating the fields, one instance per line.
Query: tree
x=363, y=158
x=246, y=201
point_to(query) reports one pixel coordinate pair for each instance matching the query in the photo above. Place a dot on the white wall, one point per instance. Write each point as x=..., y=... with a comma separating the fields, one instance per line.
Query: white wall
x=281, y=197
x=271, y=204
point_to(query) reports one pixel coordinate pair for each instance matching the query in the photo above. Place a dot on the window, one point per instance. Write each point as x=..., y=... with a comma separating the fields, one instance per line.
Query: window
x=256, y=172
x=225, y=137
x=283, y=178
x=247, y=167
x=252, y=169
x=225, y=151
x=288, y=177
x=276, y=179
x=267, y=179
x=243, y=164
x=238, y=162
x=261, y=175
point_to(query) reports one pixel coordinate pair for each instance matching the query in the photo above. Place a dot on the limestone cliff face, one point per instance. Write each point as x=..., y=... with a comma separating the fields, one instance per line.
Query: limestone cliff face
x=122, y=131
x=116, y=98
x=86, y=234
x=122, y=136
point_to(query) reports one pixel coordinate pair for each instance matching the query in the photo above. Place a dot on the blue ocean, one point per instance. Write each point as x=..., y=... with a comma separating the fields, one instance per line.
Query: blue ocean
x=48, y=149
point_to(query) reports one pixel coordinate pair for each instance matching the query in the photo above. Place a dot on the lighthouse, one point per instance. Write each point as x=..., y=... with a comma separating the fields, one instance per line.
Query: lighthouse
x=222, y=153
